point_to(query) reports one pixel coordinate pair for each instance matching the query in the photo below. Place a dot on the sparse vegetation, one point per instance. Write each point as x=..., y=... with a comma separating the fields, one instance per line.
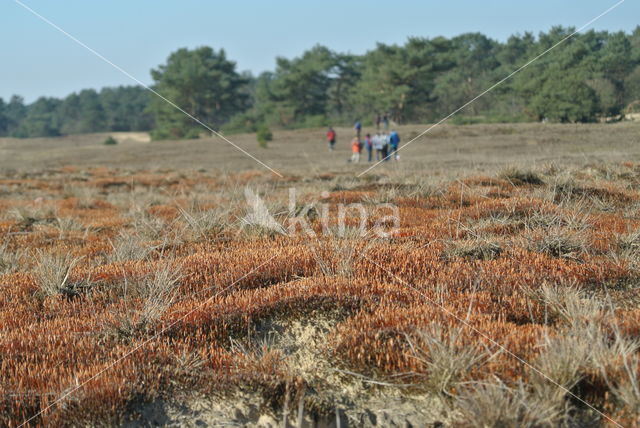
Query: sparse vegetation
x=195, y=287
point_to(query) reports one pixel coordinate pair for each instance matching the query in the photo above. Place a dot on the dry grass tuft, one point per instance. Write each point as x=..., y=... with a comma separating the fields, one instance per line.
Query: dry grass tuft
x=153, y=294
x=148, y=226
x=561, y=243
x=65, y=225
x=497, y=405
x=627, y=391
x=562, y=361
x=128, y=246
x=85, y=196
x=336, y=254
x=52, y=273
x=474, y=249
x=446, y=359
x=202, y=224
x=158, y=291
x=569, y=304
x=260, y=219
x=10, y=260
x=27, y=216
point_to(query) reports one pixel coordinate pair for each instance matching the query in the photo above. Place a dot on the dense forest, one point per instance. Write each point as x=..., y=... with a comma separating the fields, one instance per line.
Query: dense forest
x=111, y=109
x=591, y=76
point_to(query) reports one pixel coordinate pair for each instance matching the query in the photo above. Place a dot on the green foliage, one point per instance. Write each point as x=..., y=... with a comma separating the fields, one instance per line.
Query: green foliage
x=4, y=122
x=205, y=84
x=41, y=120
x=426, y=79
x=565, y=99
x=243, y=122
x=632, y=86
x=634, y=107
x=110, y=141
x=264, y=135
x=15, y=112
x=82, y=113
x=112, y=109
x=590, y=76
x=126, y=108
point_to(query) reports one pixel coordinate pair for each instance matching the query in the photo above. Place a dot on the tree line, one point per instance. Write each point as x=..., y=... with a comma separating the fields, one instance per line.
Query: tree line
x=123, y=108
x=590, y=76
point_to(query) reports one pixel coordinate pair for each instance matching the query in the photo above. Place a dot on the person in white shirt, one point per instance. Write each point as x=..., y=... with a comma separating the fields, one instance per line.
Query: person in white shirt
x=378, y=144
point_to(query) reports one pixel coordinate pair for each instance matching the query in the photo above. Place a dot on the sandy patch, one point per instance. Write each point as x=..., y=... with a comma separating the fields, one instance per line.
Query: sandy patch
x=350, y=400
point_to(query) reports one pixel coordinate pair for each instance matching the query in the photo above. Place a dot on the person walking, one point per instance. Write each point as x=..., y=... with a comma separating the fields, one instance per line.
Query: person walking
x=378, y=144
x=394, y=142
x=355, y=150
x=385, y=146
x=358, y=128
x=331, y=138
x=369, y=145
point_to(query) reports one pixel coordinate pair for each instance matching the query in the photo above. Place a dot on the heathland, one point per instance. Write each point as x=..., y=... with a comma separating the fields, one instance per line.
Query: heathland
x=158, y=282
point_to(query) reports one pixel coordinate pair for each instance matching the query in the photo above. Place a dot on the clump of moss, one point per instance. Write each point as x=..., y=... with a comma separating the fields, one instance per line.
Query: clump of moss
x=520, y=177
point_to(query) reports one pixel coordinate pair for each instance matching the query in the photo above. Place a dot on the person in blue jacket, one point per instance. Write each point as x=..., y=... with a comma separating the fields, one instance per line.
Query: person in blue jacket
x=358, y=128
x=368, y=143
x=394, y=142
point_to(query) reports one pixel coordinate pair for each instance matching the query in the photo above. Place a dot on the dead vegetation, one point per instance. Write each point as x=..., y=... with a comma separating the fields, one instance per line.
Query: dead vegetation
x=499, y=301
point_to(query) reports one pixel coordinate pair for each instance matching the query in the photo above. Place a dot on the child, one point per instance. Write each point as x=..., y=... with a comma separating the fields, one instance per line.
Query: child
x=355, y=150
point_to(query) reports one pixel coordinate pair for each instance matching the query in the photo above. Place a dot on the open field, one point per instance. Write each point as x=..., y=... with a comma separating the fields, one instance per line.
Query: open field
x=444, y=148
x=144, y=283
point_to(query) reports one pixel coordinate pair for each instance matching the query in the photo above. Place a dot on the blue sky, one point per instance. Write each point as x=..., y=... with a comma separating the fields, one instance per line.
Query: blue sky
x=139, y=34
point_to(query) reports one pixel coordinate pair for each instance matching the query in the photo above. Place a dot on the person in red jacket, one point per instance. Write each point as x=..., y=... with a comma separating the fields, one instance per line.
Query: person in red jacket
x=331, y=138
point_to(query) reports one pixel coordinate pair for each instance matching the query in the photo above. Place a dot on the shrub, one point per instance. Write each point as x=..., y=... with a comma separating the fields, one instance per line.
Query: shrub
x=264, y=135
x=242, y=122
x=315, y=121
x=110, y=141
